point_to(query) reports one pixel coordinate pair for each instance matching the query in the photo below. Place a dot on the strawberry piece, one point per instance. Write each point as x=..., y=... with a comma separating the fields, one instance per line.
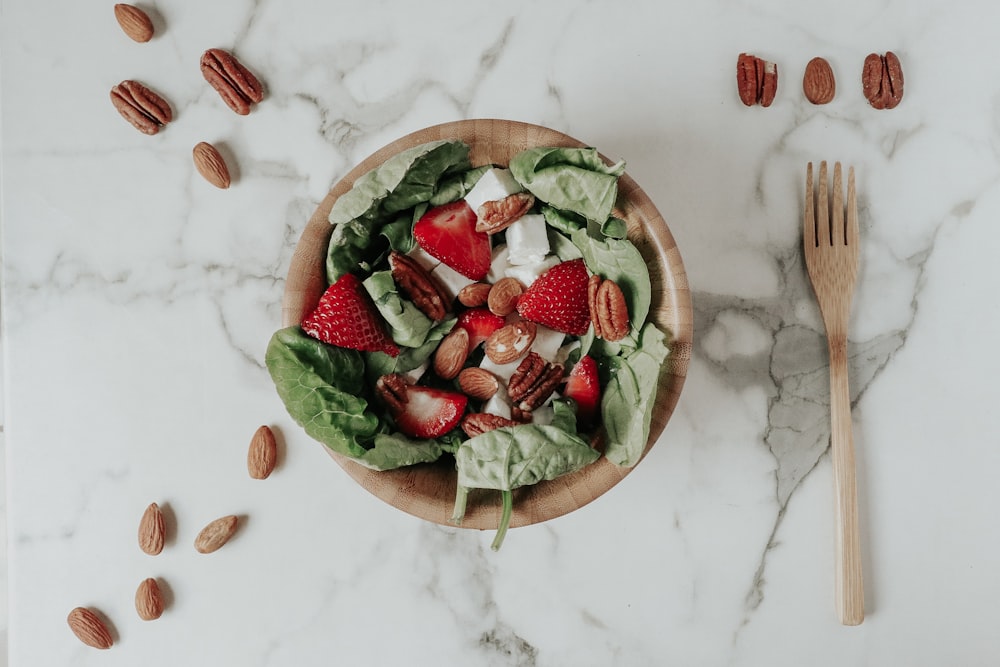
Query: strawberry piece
x=558, y=299
x=448, y=232
x=346, y=317
x=429, y=412
x=480, y=322
x=583, y=386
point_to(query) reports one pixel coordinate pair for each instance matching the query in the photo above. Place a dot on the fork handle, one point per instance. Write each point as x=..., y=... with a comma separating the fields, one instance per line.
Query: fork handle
x=849, y=593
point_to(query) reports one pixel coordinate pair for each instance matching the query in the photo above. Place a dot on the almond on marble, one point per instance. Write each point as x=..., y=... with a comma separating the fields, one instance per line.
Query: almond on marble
x=149, y=600
x=213, y=536
x=152, y=530
x=89, y=628
x=134, y=22
x=262, y=454
x=210, y=164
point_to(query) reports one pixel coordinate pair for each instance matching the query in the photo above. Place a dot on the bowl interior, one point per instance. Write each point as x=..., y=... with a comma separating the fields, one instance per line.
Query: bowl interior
x=428, y=490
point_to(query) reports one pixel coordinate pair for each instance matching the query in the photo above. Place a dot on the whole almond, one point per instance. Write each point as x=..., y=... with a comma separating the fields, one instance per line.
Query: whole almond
x=149, y=600
x=134, y=22
x=263, y=453
x=478, y=383
x=818, y=82
x=503, y=296
x=210, y=164
x=476, y=294
x=452, y=353
x=152, y=530
x=214, y=535
x=89, y=628
x=510, y=342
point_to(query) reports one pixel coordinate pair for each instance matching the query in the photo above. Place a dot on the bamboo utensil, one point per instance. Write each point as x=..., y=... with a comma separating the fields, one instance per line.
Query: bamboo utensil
x=830, y=242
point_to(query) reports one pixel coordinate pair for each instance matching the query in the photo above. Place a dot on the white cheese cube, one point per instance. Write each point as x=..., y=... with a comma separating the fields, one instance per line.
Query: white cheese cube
x=423, y=258
x=528, y=273
x=547, y=342
x=451, y=280
x=493, y=185
x=498, y=264
x=502, y=371
x=527, y=240
x=498, y=404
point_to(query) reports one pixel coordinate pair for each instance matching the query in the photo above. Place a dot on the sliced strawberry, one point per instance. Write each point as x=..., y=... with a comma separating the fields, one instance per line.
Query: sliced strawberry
x=480, y=322
x=449, y=233
x=583, y=386
x=558, y=299
x=346, y=317
x=429, y=412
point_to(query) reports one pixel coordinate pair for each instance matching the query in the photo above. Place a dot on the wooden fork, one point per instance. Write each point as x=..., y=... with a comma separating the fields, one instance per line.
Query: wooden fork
x=831, y=248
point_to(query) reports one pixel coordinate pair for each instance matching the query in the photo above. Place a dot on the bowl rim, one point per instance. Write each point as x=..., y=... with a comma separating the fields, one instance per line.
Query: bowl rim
x=427, y=490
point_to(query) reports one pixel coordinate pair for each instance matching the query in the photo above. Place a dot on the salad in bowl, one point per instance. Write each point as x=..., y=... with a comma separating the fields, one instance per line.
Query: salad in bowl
x=485, y=317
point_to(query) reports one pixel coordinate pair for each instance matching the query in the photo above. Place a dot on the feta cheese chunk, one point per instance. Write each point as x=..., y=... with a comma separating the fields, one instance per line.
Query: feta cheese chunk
x=499, y=404
x=498, y=264
x=547, y=342
x=423, y=258
x=528, y=273
x=493, y=185
x=527, y=240
x=451, y=280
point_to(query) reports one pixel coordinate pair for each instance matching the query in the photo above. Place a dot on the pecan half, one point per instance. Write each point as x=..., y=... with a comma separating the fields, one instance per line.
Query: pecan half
x=480, y=422
x=756, y=80
x=520, y=416
x=137, y=104
x=499, y=214
x=533, y=382
x=419, y=286
x=882, y=80
x=593, y=285
x=510, y=342
x=612, y=311
x=392, y=390
x=237, y=86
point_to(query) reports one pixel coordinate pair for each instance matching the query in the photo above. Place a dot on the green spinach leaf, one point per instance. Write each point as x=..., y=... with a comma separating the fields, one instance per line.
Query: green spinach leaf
x=627, y=403
x=572, y=179
x=408, y=325
x=620, y=261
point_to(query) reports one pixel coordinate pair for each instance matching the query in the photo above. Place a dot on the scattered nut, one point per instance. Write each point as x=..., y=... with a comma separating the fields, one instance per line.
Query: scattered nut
x=137, y=104
x=818, y=82
x=882, y=80
x=503, y=296
x=134, y=22
x=210, y=165
x=152, y=530
x=213, y=536
x=89, y=628
x=149, y=600
x=237, y=86
x=756, y=80
x=262, y=454
x=476, y=294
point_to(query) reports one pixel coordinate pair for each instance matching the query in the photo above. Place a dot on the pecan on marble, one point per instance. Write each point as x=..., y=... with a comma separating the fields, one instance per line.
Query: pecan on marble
x=140, y=106
x=419, y=286
x=497, y=215
x=237, y=85
x=882, y=80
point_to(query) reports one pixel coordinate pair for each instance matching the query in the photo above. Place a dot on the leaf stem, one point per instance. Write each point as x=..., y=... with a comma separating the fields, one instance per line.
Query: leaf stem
x=461, y=499
x=508, y=508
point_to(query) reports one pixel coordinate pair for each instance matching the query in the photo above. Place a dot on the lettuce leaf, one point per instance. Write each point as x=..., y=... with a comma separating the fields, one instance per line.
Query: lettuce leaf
x=572, y=179
x=627, y=403
x=409, y=326
x=319, y=385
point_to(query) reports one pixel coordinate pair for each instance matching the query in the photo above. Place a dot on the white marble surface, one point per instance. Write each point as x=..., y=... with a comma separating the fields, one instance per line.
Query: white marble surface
x=138, y=301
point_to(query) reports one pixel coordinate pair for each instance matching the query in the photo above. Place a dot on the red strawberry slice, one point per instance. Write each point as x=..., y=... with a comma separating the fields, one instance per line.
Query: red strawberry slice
x=480, y=322
x=583, y=386
x=558, y=299
x=346, y=317
x=449, y=233
x=429, y=412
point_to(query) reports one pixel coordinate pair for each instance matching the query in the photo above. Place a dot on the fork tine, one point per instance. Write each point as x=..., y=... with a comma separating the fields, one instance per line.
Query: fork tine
x=837, y=234
x=851, y=231
x=809, y=226
x=822, y=208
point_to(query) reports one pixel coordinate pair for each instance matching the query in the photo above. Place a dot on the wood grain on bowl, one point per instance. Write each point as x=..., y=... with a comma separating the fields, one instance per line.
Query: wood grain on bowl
x=428, y=490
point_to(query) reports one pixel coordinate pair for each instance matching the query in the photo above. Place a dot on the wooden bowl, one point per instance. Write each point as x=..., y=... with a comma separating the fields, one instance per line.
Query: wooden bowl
x=428, y=490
